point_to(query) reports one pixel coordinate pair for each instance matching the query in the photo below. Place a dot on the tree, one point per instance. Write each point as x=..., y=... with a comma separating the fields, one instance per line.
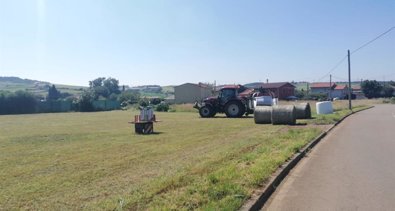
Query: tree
x=130, y=97
x=53, y=93
x=100, y=91
x=105, y=88
x=85, y=101
x=387, y=91
x=112, y=85
x=156, y=101
x=371, y=89
x=97, y=82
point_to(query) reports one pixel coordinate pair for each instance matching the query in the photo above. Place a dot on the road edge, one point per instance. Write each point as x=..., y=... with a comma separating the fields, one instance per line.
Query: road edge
x=262, y=195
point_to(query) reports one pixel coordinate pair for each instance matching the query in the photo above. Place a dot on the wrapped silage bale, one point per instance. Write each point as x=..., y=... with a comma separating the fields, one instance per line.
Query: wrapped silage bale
x=264, y=101
x=324, y=107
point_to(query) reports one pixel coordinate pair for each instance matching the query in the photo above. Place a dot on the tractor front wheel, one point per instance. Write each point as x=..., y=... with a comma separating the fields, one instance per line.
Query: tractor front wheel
x=234, y=109
x=206, y=111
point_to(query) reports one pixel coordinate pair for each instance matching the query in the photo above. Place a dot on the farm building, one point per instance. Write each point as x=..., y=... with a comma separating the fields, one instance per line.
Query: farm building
x=281, y=90
x=357, y=90
x=339, y=91
x=321, y=88
x=190, y=92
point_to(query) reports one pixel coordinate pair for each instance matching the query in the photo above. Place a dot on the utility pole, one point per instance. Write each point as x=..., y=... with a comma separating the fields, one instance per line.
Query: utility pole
x=330, y=87
x=349, y=81
x=307, y=87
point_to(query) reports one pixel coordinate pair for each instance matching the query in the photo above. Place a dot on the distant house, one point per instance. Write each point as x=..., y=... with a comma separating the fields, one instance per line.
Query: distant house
x=190, y=92
x=322, y=88
x=281, y=90
x=357, y=90
x=340, y=91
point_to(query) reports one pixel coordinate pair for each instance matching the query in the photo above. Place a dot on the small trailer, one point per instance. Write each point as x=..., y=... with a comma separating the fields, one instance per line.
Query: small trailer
x=144, y=123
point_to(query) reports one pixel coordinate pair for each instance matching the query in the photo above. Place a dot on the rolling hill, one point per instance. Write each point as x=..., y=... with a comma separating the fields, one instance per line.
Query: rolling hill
x=40, y=88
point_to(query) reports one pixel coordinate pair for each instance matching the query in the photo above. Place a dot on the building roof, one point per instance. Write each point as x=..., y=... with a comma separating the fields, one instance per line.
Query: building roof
x=322, y=85
x=198, y=85
x=230, y=86
x=356, y=87
x=268, y=85
x=341, y=87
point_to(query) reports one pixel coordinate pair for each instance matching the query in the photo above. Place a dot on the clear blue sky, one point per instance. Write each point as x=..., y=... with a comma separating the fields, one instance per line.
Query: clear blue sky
x=170, y=42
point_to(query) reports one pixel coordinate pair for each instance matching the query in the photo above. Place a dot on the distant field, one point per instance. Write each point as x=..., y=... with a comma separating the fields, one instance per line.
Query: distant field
x=92, y=161
x=39, y=90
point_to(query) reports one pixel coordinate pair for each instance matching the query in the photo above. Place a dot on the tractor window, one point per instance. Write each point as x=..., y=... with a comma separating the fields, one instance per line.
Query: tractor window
x=228, y=93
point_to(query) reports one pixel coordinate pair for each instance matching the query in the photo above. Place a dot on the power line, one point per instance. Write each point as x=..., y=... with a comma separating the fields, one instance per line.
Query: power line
x=339, y=78
x=334, y=68
x=354, y=51
x=376, y=38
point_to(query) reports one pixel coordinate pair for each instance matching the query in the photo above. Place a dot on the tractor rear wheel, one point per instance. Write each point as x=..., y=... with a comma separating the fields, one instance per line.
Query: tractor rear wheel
x=206, y=111
x=234, y=109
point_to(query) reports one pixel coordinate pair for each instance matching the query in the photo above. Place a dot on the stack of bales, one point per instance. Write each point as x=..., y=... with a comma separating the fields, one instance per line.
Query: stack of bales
x=278, y=114
x=281, y=114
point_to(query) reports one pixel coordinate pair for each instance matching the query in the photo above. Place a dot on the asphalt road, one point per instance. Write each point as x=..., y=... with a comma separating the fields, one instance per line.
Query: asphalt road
x=352, y=168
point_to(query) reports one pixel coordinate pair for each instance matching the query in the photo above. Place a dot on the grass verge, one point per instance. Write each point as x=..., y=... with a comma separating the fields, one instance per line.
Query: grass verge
x=94, y=161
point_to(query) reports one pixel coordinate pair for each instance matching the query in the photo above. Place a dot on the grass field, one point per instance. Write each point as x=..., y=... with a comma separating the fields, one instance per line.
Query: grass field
x=92, y=161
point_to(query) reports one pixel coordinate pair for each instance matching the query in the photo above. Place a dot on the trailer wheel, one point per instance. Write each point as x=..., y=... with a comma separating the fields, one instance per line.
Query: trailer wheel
x=206, y=111
x=234, y=109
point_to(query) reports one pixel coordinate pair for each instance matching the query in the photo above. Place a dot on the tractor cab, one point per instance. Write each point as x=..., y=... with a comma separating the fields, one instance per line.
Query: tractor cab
x=226, y=94
x=230, y=92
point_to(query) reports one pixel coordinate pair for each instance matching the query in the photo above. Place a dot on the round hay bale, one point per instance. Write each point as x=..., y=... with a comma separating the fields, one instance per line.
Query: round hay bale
x=283, y=114
x=303, y=111
x=263, y=115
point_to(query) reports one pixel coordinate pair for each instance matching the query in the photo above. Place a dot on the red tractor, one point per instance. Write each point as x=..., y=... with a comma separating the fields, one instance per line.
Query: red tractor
x=233, y=100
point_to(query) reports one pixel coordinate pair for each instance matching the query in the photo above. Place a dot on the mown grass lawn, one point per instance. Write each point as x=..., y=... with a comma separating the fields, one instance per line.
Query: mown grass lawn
x=94, y=161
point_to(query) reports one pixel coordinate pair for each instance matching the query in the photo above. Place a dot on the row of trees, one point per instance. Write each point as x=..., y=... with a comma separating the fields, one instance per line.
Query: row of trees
x=374, y=89
x=108, y=88
x=19, y=102
x=22, y=102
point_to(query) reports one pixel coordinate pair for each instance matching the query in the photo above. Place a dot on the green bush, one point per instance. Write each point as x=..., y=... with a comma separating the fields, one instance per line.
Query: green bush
x=130, y=97
x=84, y=103
x=393, y=100
x=156, y=101
x=143, y=102
x=162, y=107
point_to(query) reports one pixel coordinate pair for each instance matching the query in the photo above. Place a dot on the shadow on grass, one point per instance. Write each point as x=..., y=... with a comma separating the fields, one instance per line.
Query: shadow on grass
x=225, y=117
x=300, y=124
x=147, y=134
